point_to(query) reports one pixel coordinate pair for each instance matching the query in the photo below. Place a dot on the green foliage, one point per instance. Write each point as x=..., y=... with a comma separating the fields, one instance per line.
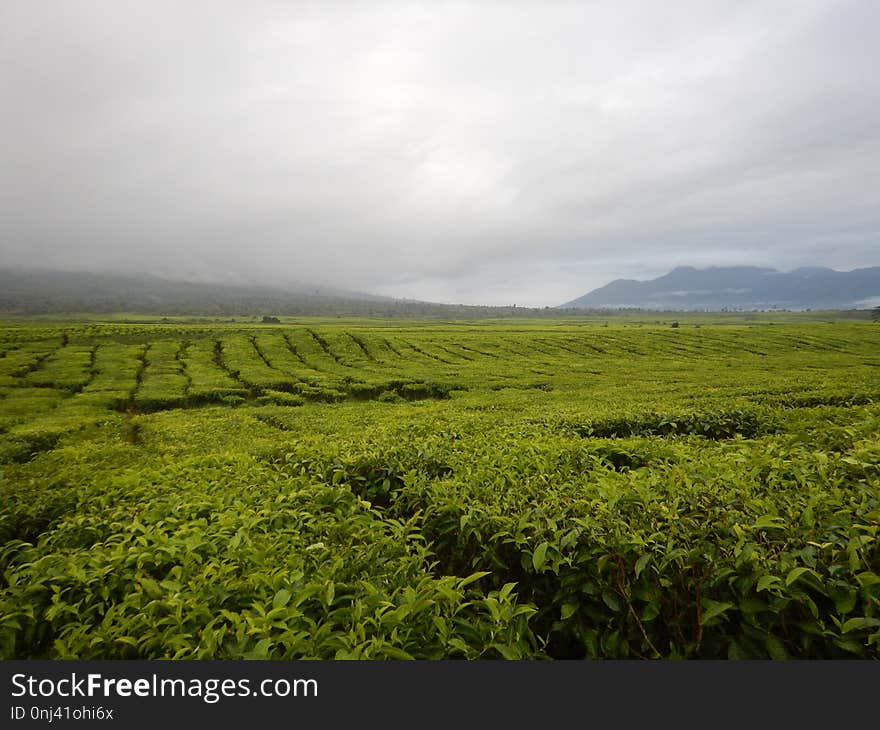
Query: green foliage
x=443, y=491
x=721, y=424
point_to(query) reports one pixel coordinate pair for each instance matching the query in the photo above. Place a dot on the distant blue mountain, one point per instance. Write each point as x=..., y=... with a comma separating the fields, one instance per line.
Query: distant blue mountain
x=740, y=287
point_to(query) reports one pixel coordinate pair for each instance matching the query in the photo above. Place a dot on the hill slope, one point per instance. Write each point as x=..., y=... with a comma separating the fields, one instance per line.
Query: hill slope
x=46, y=292
x=740, y=287
x=35, y=292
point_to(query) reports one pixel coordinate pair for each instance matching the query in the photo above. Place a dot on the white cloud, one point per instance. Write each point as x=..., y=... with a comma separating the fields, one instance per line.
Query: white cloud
x=477, y=152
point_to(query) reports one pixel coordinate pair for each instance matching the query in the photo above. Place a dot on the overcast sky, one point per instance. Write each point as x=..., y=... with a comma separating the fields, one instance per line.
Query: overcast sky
x=485, y=152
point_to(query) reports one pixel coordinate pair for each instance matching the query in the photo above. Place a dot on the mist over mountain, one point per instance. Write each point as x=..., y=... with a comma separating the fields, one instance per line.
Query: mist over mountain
x=39, y=291
x=483, y=152
x=740, y=287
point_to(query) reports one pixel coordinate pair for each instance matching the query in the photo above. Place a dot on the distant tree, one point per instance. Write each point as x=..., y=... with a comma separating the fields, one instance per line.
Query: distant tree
x=875, y=314
x=674, y=325
x=271, y=320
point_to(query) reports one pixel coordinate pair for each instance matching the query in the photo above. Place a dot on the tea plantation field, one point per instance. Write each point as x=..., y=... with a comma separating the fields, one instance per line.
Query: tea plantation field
x=546, y=489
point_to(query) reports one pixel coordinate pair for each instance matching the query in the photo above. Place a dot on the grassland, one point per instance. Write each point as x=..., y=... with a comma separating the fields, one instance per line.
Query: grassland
x=369, y=489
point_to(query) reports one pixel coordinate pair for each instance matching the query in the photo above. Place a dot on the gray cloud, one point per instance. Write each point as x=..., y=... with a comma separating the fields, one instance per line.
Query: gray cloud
x=500, y=152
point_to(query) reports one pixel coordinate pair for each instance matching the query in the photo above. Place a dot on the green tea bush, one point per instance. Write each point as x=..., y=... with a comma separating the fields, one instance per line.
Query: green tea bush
x=746, y=554
x=713, y=425
x=437, y=490
x=294, y=570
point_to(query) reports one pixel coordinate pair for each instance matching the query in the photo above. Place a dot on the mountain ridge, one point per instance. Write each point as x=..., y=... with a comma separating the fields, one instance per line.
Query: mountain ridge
x=687, y=288
x=27, y=291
